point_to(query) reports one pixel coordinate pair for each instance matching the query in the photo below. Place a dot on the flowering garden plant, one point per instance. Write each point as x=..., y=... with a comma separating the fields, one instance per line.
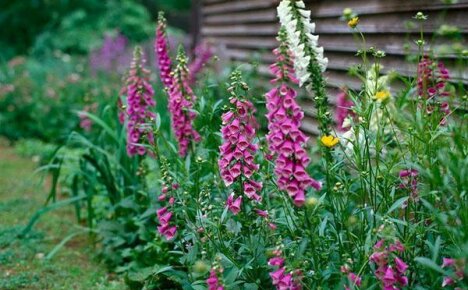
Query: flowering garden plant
x=212, y=201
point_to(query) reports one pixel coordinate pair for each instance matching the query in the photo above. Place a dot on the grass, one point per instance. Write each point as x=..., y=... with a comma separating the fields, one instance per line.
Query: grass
x=23, y=263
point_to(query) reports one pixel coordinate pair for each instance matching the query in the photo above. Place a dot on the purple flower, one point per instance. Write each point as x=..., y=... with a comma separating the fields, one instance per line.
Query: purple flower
x=112, y=56
x=203, y=53
x=280, y=278
x=161, y=48
x=343, y=110
x=447, y=262
x=237, y=152
x=355, y=279
x=213, y=282
x=285, y=139
x=181, y=100
x=390, y=269
x=234, y=205
x=409, y=180
x=85, y=122
x=458, y=265
x=431, y=84
x=164, y=214
x=139, y=101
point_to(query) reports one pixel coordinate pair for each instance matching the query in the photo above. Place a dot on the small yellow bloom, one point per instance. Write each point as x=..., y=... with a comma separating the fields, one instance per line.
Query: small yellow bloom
x=353, y=22
x=348, y=13
x=382, y=95
x=329, y=141
x=311, y=201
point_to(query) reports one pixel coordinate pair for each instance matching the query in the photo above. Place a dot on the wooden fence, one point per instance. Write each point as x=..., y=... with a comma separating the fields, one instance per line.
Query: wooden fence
x=242, y=27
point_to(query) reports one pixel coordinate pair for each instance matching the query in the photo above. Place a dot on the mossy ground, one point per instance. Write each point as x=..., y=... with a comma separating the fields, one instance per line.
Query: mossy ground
x=22, y=262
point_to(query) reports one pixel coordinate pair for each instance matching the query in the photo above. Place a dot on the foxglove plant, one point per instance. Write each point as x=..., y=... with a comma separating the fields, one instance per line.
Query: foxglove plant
x=281, y=279
x=390, y=269
x=409, y=180
x=343, y=110
x=237, y=165
x=458, y=265
x=203, y=53
x=161, y=48
x=285, y=139
x=112, y=56
x=85, y=122
x=139, y=102
x=432, y=84
x=309, y=62
x=181, y=101
x=215, y=281
x=164, y=214
x=353, y=278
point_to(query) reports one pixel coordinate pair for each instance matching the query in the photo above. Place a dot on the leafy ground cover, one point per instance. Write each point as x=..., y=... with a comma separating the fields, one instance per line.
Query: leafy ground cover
x=24, y=264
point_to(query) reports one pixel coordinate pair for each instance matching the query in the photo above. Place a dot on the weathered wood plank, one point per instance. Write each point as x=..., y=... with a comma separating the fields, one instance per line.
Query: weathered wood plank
x=233, y=6
x=394, y=23
x=256, y=16
x=246, y=42
x=374, y=24
x=213, y=1
x=246, y=29
x=365, y=7
x=241, y=29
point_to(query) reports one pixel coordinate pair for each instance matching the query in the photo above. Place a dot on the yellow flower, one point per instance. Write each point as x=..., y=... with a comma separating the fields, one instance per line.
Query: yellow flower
x=353, y=22
x=329, y=141
x=348, y=13
x=311, y=201
x=382, y=95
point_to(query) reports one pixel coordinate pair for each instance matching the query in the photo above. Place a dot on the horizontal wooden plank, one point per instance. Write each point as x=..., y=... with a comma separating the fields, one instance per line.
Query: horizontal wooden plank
x=246, y=42
x=213, y=1
x=322, y=9
x=241, y=29
x=374, y=24
x=366, y=7
x=234, y=6
x=394, y=23
x=335, y=79
x=342, y=62
x=268, y=15
x=310, y=126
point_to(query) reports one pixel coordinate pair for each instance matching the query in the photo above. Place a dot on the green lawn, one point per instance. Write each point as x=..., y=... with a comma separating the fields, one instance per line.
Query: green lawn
x=22, y=262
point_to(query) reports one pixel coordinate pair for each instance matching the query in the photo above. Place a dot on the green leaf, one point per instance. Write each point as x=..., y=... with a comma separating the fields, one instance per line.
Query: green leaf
x=46, y=209
x=231, y=275
x=323, y=225
x=430, y=264
x=397, y=204
x=250, y=286
x=141, y=275
x=233, y=226
x=60, y=245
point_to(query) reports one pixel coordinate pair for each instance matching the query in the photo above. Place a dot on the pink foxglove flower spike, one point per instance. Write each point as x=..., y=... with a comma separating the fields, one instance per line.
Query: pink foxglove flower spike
x=285, y=139
x=237, y=165
x=390, y=268
x=161, y=48
x=167, y=227
x=432, y=86
x=343, y=110
x=281, y=278
x=214, y=281
x=139, y=101
x=203, y=53
x=181, y=101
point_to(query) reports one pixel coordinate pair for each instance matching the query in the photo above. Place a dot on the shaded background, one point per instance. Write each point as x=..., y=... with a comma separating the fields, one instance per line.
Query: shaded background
x=60, y=57
x=37, y=27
